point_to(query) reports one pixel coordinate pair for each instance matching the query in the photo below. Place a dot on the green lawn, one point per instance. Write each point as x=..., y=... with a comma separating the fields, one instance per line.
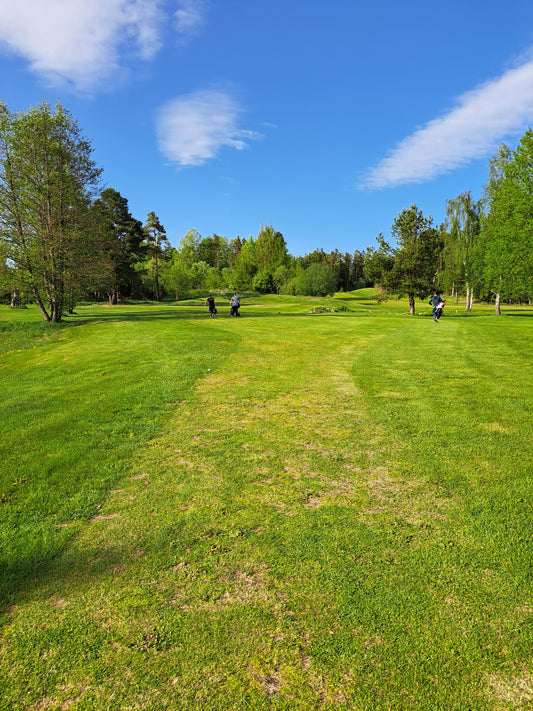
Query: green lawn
x=291, y=510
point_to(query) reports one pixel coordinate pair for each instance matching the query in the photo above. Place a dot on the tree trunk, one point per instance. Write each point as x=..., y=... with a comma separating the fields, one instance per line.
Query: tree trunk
x=471, y=299
x=468, y=298
x=56, y=311
x=497, y=308
x=16, y=301
x=112, y=298
x=411, y=303
x=157, y=296
x=40, y=304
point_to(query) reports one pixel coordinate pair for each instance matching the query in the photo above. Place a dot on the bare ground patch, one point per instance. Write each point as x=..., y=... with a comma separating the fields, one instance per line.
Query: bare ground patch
x=514, y=692
x=413, y=500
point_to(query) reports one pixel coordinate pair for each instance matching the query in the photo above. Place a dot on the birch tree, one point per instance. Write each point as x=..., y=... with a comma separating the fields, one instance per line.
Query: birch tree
x=463, y=223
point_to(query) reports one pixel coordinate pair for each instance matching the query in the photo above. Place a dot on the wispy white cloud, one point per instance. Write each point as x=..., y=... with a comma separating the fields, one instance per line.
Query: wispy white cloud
x=84, y=42
x=482, y=118
x=190, y=17
x=193, y=128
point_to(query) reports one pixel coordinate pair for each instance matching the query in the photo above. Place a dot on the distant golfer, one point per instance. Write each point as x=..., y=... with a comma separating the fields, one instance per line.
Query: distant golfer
x=438, y=305
x=210, y=301
x=235, y=304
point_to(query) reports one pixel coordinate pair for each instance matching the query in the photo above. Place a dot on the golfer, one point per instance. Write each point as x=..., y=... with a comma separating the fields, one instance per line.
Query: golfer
x=234, y=303
x=210, y=301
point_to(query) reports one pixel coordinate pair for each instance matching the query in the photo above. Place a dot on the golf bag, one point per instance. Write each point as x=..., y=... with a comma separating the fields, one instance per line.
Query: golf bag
x=437, y=311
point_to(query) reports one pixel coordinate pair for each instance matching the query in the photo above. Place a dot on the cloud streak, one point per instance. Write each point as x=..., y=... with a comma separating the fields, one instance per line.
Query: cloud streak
x=193, y=128
x=189, y=17
x=482, y=118
x=85, y=42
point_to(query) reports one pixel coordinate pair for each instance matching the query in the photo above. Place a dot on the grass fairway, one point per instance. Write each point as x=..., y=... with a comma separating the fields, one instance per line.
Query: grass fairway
x=283, y=511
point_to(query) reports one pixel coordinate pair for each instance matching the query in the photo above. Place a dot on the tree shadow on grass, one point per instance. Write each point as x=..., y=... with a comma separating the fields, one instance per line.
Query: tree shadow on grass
x=525, y=314
x=58, y=568
x=166, y=315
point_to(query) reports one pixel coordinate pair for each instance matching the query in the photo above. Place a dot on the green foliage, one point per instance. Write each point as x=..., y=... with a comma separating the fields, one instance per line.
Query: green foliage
x=316, y=280
x=463, y=248
x=509, y=226
x=47, y=178
x=120, y=238
x=410, y=268
x=198, y=274
x=244, y=266
x=157, y=245
x=263, y=281
x=270, y=249
x=175, y=276
x=214, y=279
x=378, y=263
x=214, y=251
x=280, y=277
x=416, y=257
x=188, y=248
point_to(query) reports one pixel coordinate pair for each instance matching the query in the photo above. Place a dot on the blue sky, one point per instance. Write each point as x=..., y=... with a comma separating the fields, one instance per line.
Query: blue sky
x=322, y=119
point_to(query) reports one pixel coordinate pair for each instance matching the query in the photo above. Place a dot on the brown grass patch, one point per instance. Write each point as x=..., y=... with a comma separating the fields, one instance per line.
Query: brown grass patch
x=413, y=500
x=516, y=691
x=494, y=427
x=105, y=517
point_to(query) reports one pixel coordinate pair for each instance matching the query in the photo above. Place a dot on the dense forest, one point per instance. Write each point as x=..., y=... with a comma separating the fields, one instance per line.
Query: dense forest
x=63, y=239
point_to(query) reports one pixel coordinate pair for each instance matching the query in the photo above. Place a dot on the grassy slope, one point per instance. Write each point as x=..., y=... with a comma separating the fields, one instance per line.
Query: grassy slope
x=325, y=511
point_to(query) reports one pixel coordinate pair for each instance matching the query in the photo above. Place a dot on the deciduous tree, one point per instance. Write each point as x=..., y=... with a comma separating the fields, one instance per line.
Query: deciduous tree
x=462, y=261
x=175, y=277
x=214, y=251
x=270, y=248
x=509, y=225
x=47, y=180
x=316, y=280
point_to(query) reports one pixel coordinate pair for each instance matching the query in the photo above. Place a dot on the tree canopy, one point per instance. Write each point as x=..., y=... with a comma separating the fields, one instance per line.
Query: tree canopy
x=47, y=180
x=62, y=236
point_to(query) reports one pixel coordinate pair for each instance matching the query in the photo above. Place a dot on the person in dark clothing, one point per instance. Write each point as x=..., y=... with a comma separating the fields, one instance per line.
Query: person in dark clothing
x=210, y=301
x=438, y=305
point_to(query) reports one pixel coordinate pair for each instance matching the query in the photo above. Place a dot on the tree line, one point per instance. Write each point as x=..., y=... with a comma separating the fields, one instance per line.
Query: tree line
x=64, y=238
x=484, y=249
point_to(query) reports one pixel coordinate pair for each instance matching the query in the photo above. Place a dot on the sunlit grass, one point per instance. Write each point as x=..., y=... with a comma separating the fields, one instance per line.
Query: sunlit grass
x=290, y=510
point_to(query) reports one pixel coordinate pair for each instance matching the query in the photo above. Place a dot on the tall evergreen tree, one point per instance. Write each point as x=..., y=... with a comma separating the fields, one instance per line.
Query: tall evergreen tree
x=156, y=242
x=411, y=267
x=120, y=237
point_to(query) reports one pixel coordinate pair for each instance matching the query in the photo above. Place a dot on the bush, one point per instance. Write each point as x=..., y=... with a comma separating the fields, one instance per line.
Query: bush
x=316, y=280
